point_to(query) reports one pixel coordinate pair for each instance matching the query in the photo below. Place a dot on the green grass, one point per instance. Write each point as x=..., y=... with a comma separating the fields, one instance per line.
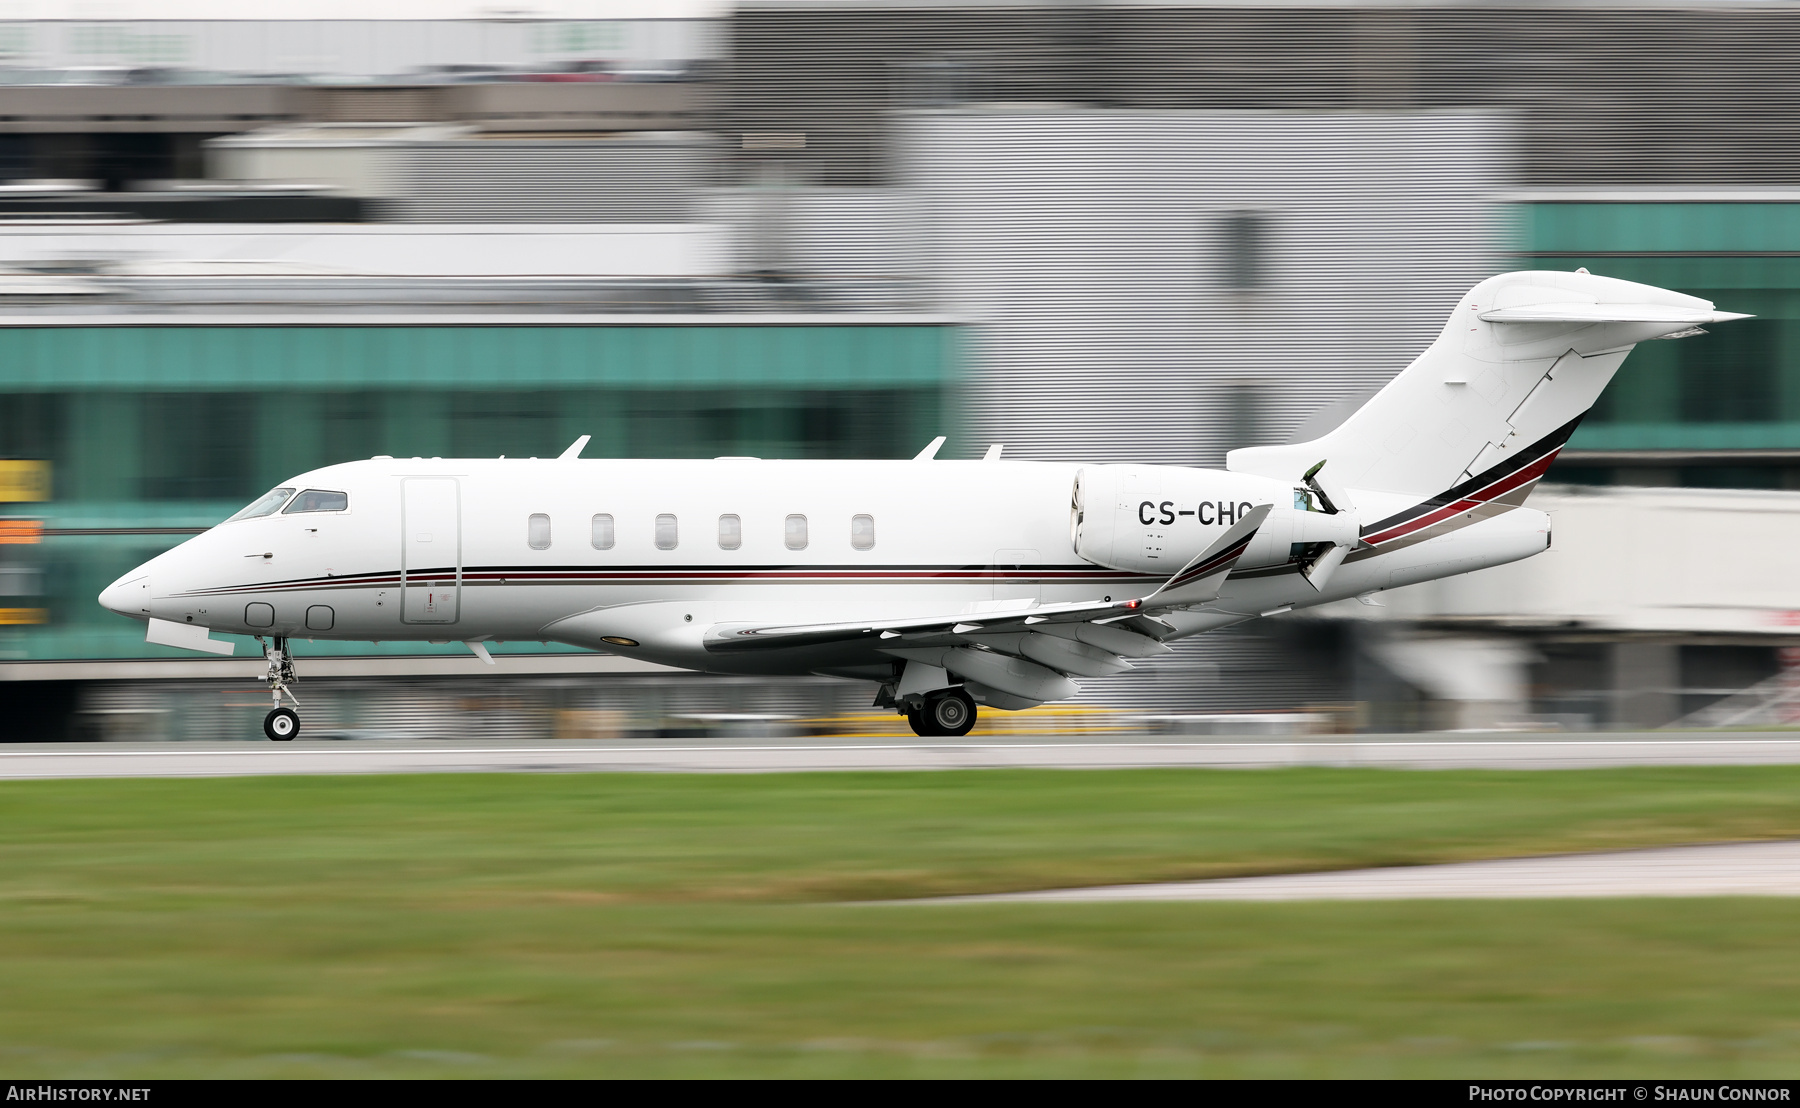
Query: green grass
x=661, y=924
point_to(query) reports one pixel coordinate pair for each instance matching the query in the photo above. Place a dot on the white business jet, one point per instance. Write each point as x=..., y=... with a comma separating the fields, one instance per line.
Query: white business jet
x=946, y=585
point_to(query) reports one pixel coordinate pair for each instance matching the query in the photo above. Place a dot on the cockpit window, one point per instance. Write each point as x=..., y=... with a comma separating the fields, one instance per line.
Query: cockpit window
x=318, y=500
x=266, y=505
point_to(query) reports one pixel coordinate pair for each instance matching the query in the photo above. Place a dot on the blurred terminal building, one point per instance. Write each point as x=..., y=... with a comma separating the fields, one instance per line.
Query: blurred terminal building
x=1107, y=231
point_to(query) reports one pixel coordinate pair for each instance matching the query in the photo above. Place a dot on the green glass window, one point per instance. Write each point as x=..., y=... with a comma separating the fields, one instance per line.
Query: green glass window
x=1731, y=374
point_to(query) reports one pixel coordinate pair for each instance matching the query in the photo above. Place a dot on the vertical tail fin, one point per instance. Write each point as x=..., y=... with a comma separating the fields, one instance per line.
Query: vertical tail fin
x=1489, y=404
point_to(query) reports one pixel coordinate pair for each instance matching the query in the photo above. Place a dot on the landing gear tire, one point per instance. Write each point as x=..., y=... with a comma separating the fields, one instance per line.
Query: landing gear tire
x=281, y=725
x=950, y=714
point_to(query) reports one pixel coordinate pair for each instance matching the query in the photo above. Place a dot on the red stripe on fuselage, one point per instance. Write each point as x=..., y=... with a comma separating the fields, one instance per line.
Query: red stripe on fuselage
x=1504, y=485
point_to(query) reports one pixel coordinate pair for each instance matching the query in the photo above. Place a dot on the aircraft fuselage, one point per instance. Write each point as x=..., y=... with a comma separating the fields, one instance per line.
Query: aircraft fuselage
x=590, y=552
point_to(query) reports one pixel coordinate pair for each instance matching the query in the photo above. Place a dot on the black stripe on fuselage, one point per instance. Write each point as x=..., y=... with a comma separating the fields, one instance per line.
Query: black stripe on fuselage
x=1548, y=444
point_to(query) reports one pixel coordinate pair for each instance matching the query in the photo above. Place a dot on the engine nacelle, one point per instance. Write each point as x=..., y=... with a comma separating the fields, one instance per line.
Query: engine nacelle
x=1155, y=519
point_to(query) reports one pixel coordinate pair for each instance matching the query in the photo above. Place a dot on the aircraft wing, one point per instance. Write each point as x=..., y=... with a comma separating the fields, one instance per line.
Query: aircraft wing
x=730, y=637
x=1196, y=582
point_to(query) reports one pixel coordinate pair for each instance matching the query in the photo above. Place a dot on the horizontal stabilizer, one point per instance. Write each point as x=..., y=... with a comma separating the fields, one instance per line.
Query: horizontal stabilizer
x=1576, y=312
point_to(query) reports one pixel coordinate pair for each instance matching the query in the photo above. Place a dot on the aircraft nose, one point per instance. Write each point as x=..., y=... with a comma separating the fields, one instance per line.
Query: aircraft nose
x=127, y=596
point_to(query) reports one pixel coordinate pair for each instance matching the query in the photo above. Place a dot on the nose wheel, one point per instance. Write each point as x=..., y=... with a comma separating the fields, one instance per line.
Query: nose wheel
x=948, y=713
x=281, y=724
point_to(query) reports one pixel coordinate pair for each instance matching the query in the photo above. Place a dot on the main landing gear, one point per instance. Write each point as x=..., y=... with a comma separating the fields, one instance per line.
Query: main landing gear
x=948, y=712
x=281, y=724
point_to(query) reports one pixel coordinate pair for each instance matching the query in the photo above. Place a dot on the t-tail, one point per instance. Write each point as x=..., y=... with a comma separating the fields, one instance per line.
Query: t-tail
x=1474, y=421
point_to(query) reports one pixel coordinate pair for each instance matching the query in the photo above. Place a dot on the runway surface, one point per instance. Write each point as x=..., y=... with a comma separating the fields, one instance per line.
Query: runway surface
x=1731, y=869
x=1426, y=751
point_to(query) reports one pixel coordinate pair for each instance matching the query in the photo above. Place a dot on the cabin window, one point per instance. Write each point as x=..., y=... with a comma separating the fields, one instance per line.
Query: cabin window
x=862, y=532
x=795, y=532
x=266, y=505
x=731, y=532
x=537, y=531
x=666, y=536
x=318, y=500
x=603, y=531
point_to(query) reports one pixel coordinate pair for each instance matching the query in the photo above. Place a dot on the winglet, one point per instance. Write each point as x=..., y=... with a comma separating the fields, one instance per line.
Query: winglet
x=1200, y=580
x=575, y=448
x=481, y=651
x=930, y=451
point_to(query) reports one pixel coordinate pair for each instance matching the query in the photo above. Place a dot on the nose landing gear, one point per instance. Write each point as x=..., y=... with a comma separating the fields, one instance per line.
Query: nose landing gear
x=281, y=724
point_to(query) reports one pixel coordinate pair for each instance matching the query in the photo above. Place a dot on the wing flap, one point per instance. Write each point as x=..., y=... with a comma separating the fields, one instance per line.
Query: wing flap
x=726, y=638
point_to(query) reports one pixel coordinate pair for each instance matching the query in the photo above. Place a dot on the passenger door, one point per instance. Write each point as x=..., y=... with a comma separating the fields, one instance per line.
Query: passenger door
x=430, y=550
